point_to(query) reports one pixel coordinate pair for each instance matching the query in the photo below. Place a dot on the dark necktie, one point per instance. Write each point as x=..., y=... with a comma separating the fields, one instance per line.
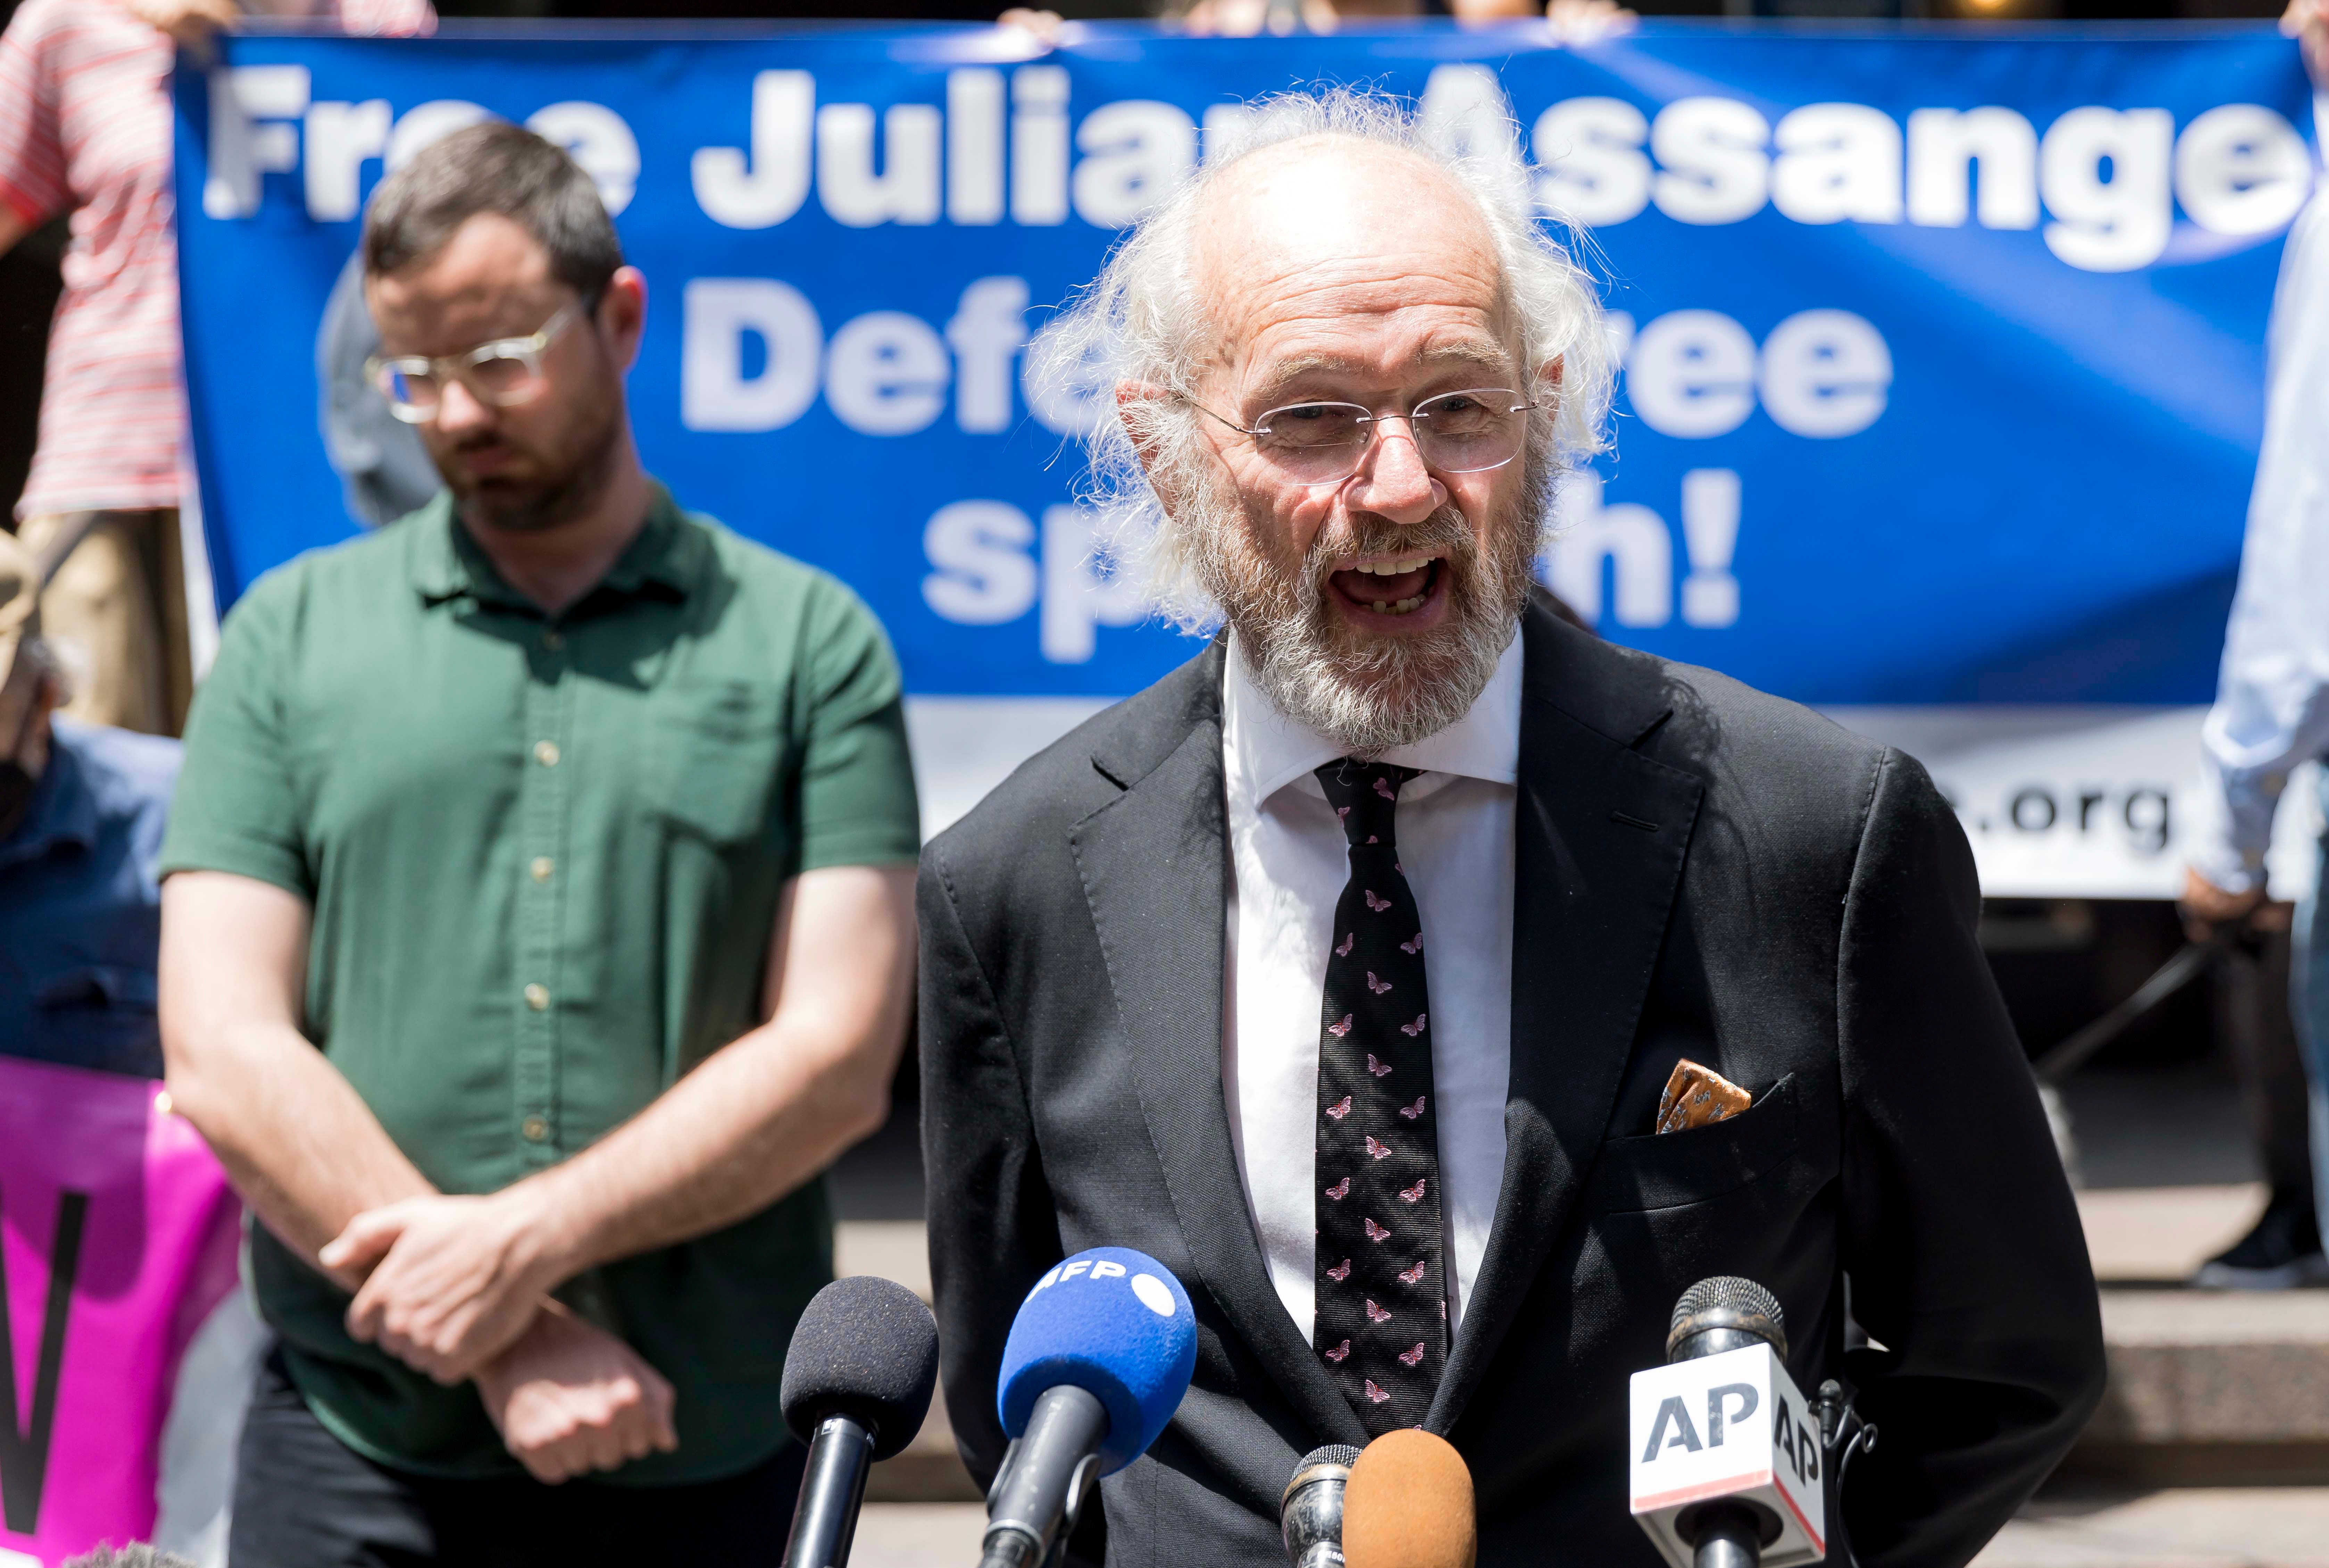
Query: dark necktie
x=1382, y=1304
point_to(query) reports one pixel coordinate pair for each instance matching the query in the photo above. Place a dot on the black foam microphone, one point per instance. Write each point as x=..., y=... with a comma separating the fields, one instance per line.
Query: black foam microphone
x=1726, y=1313
x=1310, y=1513
x=857, y=1385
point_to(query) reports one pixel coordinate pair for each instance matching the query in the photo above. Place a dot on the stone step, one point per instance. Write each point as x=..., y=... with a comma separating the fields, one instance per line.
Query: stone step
x=2211, y=1388
x=2187, y=1527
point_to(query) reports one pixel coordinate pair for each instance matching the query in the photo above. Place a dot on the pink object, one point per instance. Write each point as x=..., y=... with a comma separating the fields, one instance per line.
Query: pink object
x=96, y=1180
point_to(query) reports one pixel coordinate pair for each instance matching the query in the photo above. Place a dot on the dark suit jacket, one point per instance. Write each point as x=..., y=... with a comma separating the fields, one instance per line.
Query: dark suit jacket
x=1704, y=871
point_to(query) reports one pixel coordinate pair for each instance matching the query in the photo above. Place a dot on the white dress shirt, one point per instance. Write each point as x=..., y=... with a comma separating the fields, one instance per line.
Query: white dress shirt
x=1287, y=866
x=2272, y=693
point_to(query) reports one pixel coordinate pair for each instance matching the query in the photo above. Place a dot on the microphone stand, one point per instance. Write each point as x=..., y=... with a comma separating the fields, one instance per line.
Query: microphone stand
x=1730, y=1535
x=831, y=1492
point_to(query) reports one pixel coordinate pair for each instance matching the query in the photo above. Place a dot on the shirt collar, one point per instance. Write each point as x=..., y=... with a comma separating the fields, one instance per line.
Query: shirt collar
x=1266, y=751
x=665, y=559
x=63, y=811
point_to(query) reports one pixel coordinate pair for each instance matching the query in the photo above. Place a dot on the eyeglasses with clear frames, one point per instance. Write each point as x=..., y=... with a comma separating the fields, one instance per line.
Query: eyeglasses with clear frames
x=505, y=373
x=1324, y=442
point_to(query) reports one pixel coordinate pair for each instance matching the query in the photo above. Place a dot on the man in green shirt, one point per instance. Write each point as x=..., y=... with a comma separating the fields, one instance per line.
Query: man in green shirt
x=538, y=927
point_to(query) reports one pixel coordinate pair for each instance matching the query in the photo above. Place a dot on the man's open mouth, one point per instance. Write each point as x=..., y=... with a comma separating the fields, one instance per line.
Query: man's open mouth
x=1392, y=585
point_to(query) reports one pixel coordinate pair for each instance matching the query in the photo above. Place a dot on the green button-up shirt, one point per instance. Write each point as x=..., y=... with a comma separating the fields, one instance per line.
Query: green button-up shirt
x=545, y=855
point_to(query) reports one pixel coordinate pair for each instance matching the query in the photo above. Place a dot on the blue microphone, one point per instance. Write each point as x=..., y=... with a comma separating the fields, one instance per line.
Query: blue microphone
x=1098, y=1357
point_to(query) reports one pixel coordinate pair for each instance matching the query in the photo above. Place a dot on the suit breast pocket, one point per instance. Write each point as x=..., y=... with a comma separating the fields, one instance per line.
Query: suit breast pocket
x=1672, y=1169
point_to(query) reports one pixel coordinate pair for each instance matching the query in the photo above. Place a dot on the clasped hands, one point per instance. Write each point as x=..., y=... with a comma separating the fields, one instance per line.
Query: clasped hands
x=457, y=1288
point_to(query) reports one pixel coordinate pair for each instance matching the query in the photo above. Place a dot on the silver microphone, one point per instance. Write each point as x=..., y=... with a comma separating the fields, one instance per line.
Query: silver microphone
x=1310, y=1514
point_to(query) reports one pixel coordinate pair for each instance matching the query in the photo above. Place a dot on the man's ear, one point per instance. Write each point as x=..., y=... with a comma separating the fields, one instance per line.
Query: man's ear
x=1134, y=409
x=1548, y=375
x=623, y=314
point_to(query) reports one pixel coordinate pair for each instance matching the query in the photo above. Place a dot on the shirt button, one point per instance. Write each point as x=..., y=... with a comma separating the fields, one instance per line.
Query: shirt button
x=545, y=752
x=537, y=996
x=552, y=641
x=535, y=1128
x=542, y=866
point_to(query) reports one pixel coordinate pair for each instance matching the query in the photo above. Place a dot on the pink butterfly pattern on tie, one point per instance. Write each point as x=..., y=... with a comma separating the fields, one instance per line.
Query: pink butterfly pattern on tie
x=1375, y=1140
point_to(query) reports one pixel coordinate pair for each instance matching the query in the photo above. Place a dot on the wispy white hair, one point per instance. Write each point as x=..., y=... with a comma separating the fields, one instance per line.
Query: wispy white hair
x=1144, y=320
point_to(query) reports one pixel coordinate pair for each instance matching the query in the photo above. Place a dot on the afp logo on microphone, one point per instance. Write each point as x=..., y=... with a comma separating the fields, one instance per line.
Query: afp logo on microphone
x=1731, y=1427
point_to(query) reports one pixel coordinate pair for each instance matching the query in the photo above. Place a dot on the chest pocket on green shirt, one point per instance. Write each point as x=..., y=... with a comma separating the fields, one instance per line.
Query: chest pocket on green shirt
x=722, y=757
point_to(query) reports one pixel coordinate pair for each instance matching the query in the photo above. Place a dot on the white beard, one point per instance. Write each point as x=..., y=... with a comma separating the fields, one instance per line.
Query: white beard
x=1367, y=694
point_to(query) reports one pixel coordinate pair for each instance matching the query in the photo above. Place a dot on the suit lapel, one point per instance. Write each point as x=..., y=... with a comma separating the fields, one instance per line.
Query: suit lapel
x=1154, y=864
x=1600, y=835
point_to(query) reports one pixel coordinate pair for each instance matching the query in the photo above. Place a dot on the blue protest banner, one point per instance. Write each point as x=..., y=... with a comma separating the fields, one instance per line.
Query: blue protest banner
x=1942, y=350
x=1944, y=380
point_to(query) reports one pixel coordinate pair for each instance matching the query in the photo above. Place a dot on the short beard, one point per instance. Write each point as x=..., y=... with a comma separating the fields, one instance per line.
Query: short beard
x=562, y=496
x=1367, y=694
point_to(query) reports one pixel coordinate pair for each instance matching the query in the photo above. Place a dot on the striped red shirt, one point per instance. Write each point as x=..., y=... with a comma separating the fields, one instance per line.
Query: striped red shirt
x=85, y=127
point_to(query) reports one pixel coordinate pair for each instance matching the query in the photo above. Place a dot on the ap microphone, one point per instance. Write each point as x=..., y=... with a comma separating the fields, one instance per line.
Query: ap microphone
x=1409, y=1505
x=857, y=1383
x=1726, y=1460
x=1098, y=1359
x=1310, y=1511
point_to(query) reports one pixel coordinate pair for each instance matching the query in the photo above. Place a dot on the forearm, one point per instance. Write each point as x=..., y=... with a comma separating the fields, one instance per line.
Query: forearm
x=753, y=1123
x=300, y=1145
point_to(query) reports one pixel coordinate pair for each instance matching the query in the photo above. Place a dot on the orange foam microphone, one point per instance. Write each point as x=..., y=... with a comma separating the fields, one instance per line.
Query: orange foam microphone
x=1409, y=1505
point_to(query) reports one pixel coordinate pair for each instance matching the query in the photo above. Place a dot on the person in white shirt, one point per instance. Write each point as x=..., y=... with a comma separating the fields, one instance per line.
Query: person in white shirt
x=2271, y=712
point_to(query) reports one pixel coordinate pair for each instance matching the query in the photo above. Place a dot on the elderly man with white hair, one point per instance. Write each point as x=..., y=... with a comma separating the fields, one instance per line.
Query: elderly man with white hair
x=1351, y=970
